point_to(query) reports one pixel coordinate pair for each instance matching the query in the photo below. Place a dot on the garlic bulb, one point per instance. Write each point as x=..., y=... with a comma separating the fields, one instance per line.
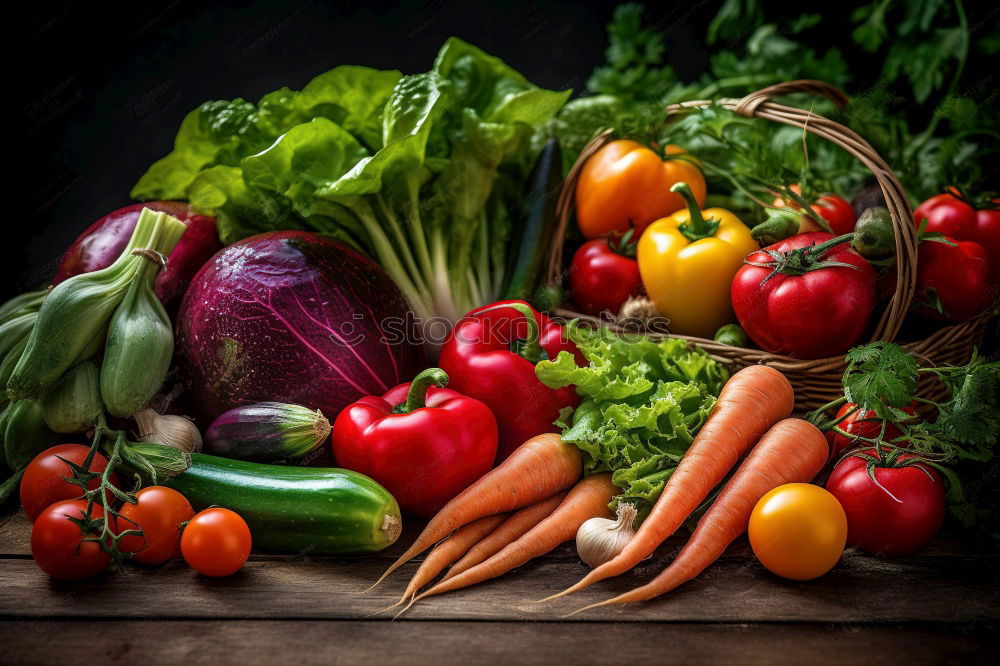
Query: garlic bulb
x=170, y=430
x=599, y=540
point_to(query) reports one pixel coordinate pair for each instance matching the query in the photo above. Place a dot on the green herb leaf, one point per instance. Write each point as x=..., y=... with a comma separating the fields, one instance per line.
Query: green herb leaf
x=882, y=377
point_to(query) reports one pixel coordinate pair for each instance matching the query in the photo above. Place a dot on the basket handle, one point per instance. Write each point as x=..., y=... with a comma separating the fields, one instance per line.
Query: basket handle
x=761, y=105
x=748, y=105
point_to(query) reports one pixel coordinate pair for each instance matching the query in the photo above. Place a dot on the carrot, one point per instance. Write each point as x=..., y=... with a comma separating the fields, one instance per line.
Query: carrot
x=753, y=400
x=539, y=468
x=588, y=499
x=511, y=530
x=450, y=550
x=792, y=451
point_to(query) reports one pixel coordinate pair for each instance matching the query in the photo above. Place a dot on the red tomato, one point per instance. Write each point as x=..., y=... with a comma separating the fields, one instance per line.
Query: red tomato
x=57, y=543
x=807, y=309
x=835, y=210
x=44, y=481
x=216, y=542
x=947, y=214
x=954, y=276
x=159, y=514
x=898, y=518
x=861, y=424
x=601, y=277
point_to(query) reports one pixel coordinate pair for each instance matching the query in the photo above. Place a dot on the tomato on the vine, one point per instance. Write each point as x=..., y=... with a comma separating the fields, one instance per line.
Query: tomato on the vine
x=797, y=531
x=45, y=478
x=216, y=542
x=604, y=274
x=58, y=545
x=895, y=513
x=160, y=513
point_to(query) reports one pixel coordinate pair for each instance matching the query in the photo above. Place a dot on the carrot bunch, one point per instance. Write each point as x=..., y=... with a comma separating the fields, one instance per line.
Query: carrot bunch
x=749, y=416
x=479, y=527
x=535, y=500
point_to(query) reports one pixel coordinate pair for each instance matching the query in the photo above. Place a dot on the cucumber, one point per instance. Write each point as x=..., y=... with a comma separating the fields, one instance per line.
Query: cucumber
x=534, y=225
x=297, y=509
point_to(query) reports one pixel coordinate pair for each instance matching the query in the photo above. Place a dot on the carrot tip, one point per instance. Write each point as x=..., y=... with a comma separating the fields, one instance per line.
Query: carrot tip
x=586, y=608
x=381, y=578
x=412, y=601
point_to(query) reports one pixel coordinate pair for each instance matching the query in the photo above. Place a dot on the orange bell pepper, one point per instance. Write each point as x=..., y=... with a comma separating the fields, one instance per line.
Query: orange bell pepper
x=625, y=184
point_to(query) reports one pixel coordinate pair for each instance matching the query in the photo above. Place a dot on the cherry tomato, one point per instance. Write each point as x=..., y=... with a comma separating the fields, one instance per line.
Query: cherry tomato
x=835, y=210
x=216, y=542
x=602, y=276
x=861, y=424
x=896, y=516
x=159, y=514
x=44, y=481
x=57, y=543
x=798, y=531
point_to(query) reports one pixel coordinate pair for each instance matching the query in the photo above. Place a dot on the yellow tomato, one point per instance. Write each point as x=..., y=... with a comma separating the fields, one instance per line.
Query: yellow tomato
x=798, y=531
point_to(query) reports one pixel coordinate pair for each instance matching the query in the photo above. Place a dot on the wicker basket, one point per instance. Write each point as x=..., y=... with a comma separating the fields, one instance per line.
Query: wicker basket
x=817, y=381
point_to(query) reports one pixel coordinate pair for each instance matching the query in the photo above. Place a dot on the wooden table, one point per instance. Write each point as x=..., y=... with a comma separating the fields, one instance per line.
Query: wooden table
x=942, y=606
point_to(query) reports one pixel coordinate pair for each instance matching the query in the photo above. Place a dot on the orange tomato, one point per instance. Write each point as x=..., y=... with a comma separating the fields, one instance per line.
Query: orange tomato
x=625, y=184
x=798, y=531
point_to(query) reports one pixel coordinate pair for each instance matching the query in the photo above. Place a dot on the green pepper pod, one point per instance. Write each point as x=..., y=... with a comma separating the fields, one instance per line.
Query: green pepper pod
x=137, y=354
x=75, y=404
x=25, y=433
x=73, y=317
x=22, y=304
x=874, y=237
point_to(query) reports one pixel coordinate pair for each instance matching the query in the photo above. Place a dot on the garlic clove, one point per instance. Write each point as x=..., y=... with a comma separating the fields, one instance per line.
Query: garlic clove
x=170, y=430
x=600, y=540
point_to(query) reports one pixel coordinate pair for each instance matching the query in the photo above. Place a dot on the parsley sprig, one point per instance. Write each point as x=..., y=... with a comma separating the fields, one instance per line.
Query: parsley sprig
x=882, y=377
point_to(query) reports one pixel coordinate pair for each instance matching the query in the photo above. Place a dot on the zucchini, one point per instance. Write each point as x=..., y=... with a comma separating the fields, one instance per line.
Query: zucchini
x=297, y=509
x=534, y=225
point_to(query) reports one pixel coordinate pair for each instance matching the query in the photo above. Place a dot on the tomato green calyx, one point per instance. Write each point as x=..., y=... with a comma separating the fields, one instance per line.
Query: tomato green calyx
x=416, y=397
x=624, y=244
x=803, y=260
x=529, y=347
x=697, y=227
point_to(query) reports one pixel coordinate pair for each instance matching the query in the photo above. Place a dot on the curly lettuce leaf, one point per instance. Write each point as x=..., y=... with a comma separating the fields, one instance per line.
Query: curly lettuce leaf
x=644, y=401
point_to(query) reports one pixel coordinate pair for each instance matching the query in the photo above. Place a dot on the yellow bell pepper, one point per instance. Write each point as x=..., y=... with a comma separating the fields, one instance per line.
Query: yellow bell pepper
x=687, y=262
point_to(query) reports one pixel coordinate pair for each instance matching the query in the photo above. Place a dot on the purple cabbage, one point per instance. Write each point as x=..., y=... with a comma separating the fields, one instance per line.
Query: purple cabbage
x=291, y=316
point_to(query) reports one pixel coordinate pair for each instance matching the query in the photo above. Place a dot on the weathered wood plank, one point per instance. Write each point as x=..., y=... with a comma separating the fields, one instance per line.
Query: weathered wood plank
x=447, y=643
x=860, y=589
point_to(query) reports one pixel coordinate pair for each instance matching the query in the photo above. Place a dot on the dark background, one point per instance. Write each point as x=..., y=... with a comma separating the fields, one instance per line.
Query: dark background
x=103, y=88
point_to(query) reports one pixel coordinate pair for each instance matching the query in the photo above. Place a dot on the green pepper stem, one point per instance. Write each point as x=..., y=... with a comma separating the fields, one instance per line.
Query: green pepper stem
x=532, y=348
x=416, y=397
x=697, y=227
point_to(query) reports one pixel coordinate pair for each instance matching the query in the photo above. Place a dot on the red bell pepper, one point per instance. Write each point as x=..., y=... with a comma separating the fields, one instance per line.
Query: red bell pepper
x=491, y=354
x=955, y=218
x=423, y=442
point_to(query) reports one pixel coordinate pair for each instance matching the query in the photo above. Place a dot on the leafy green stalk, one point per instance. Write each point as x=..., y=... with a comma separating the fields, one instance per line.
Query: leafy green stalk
x=417, y=170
